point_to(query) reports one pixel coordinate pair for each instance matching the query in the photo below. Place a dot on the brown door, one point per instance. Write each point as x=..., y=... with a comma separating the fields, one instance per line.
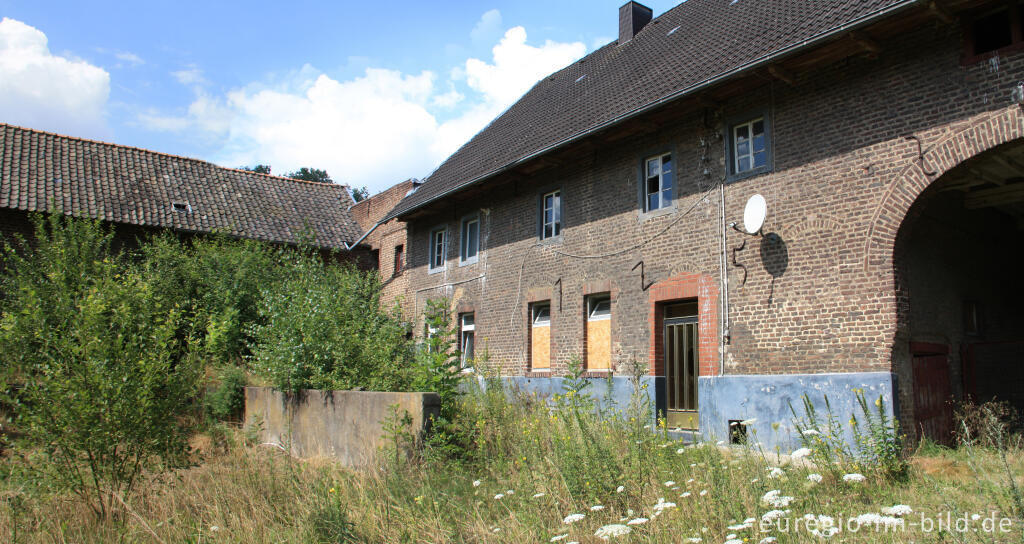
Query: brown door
x=681, y=366
x=933, y=408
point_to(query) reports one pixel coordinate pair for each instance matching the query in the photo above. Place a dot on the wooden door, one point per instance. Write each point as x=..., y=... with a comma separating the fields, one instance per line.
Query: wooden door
x=933, y=395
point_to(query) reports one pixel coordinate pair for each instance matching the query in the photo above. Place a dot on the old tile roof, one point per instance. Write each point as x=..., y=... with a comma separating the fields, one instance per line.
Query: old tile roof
x=40, y=171
x=685, y=49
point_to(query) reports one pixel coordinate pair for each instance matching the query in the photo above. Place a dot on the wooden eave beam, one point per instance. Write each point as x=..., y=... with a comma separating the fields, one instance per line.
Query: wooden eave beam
x=870, y=46
x=782, y=74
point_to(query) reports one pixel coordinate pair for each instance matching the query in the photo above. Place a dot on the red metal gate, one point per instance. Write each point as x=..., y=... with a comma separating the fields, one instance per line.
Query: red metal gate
x=933, y=395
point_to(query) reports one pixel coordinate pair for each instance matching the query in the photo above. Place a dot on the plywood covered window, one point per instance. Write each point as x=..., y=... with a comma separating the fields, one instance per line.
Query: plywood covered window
x=599, y=332
x=540, y=336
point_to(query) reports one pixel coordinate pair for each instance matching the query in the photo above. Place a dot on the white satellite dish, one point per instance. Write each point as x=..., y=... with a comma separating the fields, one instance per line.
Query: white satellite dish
x=754, y=214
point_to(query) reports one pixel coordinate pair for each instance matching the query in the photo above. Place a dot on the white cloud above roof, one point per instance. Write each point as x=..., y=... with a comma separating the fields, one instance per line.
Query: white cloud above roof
x=375, y=129
x=49, y=92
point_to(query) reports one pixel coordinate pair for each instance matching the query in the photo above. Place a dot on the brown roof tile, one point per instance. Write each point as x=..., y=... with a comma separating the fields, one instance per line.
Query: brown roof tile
x=41, y=170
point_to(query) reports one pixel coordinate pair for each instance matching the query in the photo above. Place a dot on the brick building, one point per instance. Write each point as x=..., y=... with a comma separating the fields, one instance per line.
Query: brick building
x=387, y=242
x=141, y=191
x=594, y=218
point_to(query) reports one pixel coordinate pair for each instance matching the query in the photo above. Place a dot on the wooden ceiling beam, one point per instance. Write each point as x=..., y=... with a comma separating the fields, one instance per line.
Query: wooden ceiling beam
x=783, y=75
x=999, y=196
x=871, y=47
x=1008, y=162
x=984, y=176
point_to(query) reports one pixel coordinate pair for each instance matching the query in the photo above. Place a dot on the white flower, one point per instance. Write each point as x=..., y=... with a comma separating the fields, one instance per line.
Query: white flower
x=597, y=508
x=476, y=483
x=772, y=516
x=810, y=432
x=214, y=528
x=776, y=499
x=573, y=518
x=703, y=492
x=768, y=540
x=750, y=421
x=853, y=477
x=499, y=496
x=685, y=494
x=898, y=510
x=731, y=537
x=609, y=531
x=510, y=492
x=680, y=451
x=637, y=521
x=738, y=526
x=690, y=481
x=559, y=537
x=775, y=472
x=669, y=483
x=814, y=477
x=879, y=522
x=975, y=517
x=693, y=539
x=800, y=453
x=749, y=521
x=630, y=512
x=823, y=526
x=620, y=489
x=733, y=541
x=662, y=505
x=496, y=530
x=538, y=495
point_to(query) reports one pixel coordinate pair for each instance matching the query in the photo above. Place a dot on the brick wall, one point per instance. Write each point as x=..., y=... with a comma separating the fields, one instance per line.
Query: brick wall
x=817, y=296
x=385, y=239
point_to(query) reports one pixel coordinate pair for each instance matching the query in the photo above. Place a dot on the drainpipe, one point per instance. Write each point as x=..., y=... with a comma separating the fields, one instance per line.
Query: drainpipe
x=361, y=238
x=724, y=340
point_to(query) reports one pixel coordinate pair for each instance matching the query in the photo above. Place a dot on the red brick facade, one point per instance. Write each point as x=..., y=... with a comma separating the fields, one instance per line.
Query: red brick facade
x=388, y=241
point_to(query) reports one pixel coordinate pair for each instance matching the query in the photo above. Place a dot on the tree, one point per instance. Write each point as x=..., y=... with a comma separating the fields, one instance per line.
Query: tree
x=259, y=168
x=311, y=174
x=360, y=194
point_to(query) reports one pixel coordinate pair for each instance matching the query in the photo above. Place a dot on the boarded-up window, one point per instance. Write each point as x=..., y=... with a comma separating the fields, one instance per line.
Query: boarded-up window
x=599, y=332
x=540, y=336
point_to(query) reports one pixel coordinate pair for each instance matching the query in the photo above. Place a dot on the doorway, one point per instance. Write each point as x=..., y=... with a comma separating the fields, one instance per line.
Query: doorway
x=681, y=365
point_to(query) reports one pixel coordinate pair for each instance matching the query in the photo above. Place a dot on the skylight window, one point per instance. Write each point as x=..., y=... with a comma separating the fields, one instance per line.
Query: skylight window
x=673, y=31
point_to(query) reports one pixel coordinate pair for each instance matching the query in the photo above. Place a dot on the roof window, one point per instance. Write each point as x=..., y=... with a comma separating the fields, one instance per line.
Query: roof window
x=181, y=207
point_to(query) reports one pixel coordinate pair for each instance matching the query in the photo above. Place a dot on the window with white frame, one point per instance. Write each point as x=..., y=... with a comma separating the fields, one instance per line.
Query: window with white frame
x=599, y=307
x=437, y=243
x=470, y=244
x=467, y=329
x=658, y=182
x=551, y=215
x=749, y=146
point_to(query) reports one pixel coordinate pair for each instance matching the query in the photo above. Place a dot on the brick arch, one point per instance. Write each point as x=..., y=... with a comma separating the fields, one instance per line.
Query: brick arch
x=982, y=134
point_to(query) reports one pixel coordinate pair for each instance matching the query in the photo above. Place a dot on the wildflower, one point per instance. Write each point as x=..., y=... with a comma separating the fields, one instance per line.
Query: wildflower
x=214, y=528
x=776, y=499
x=538, y=495
x=755, y=480
x=690, y=481
x=685, y=494
x=496, y=530
x=733, y=541
x=768, y=540
x=669, y=483
x=750, y=421
x=693, y=539
x=823, y=526
x=573, y=518
x=880, y=522
x=680, y=451
x=637, y=521
x=609, y=531
x=620, y=489
x=662, y=505
x=630, y=512
x=810, y=432
x=814, y=477
x=854, y=477
x=775, y=472
x=597, y=508
x=559, y=537
x=331, y=490
x=800, y=453
x=418, y=498
x=703, y=492
x=772, y=516
x=975, y=517
x=510, y=492
x=476, y=483
x=898, y=510
x=499, y=496
x=738, y=526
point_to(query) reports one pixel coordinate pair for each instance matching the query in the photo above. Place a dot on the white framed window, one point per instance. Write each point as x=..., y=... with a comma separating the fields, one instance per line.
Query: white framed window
x=599, y=307
x=551, y=215
x=469, y=246
x=467, y=331
x=541, y=315
x=749, y=146
x=658, y=182
x=438, y=240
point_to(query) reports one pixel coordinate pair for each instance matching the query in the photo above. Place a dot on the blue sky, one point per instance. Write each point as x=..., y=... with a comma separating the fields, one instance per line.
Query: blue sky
x=373, y=92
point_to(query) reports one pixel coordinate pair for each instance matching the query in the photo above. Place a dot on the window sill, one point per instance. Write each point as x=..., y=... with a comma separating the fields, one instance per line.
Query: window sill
x=668, y=210
x=597, y=373
x=538, y=373
x=469, y=262
x=748, y=174
x=553, y=240
x=438, y=270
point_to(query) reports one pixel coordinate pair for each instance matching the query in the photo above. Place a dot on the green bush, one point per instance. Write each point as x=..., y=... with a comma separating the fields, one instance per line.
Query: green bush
x=322, y=328
x=226, y=401
x=106, y=375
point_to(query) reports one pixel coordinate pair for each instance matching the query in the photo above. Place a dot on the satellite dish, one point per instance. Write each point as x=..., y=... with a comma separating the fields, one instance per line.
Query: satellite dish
x=754, y=214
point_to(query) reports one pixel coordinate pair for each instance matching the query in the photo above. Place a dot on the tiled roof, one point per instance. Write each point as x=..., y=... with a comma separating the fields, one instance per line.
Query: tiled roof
x=40, y=171
x=696, y=43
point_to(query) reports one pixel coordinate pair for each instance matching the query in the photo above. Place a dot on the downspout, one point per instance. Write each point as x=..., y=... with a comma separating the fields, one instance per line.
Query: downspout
x=361, y=238
x=724, y=272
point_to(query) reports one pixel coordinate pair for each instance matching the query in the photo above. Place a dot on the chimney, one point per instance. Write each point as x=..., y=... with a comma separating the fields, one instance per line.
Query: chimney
x=632, y=18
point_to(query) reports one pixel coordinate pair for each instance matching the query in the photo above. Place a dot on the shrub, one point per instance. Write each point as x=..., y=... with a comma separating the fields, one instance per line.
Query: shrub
x=322, y=328
x=105, y=376
x=226, y=401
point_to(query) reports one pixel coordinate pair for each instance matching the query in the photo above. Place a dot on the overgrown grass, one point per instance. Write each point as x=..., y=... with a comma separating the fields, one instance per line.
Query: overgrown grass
x=524, y=466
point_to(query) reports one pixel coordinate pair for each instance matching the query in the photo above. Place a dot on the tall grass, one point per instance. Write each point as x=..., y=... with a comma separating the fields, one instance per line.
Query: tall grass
x=525, y=464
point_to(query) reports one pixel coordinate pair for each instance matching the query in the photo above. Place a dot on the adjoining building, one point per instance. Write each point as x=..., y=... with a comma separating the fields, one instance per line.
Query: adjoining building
x=141, y=191
x=594, y=218
x=387, y=242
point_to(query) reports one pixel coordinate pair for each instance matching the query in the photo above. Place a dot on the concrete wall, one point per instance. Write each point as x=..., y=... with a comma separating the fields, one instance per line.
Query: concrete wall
x=767, y=398
x=342, y=425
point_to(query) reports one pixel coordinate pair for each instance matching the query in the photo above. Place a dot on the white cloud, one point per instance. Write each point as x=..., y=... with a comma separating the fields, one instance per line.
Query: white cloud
x=130, y=58
x=44, y=91
x=375, y=130
x=488, y=28
x=191, y=76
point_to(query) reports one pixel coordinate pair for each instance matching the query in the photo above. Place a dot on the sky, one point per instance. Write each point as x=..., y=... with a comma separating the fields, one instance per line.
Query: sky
x=373, y=92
